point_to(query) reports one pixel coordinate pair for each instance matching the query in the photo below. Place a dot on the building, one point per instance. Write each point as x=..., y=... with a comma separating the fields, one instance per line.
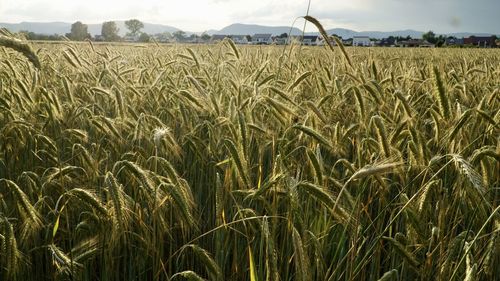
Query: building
x=311, y=40
x=330, y=39
x=239, y=39
x=388, y=42
x=416, y=43
x=347, y=42
x=281, y=40
x=361, y=41
x=452, y=41
x=295, y=39
x=262, y=39
x=480, y=41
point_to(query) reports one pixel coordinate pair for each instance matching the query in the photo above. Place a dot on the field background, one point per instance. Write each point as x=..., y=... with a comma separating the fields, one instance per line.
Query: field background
x=226, y=162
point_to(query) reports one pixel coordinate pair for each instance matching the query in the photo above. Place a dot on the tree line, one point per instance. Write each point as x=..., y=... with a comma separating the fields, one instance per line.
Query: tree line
x=110, y=33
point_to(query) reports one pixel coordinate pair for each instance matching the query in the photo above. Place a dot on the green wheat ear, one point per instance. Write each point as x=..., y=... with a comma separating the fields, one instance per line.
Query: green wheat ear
x=323, y=33
x=440, y=94
x=21, y=47
x=320, y=28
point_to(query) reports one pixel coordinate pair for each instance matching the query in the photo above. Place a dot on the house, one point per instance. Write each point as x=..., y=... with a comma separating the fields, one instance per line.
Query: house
x=330, y=39
x=295, y=39
x=281, y=40
x=388, y=42
x=311, y=40
x=480, y=41
x=452, y=41
x=239, y=39
x=362, y=41
x=416, y=43
x=347, y=42
x=262, y=39
x=426, y=44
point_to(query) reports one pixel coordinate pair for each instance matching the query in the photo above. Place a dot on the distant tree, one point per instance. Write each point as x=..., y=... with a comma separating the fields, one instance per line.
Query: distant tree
x=29, y=35
x=110, y=31
x=205, y=36
x=193, y=37
x=144, y=37
x=440, y=40
x=283, y=35
x=179, y=35
x=249, y=38
x=338, y=36
x=401, y=38
x=79, y=32
x=430, y=37
x=54, y=37
x=163, y=37
x=134, y=26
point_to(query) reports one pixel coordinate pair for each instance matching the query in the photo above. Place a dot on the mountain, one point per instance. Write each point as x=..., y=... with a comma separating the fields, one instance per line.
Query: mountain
x=48, y=28
x=347, y=33
x=62, y=28
x=251, y=29
x=211, y=31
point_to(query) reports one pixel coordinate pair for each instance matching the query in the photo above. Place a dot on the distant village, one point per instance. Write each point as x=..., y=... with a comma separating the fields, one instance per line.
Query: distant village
x=79, y=32
x=318, y=40
x=307, y=40
x=360, y=41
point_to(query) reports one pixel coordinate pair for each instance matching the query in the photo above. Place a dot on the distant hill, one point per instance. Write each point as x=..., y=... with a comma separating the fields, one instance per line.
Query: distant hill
x=47, y=28
x=347, y=33
x=251, y=29
x=62, y=28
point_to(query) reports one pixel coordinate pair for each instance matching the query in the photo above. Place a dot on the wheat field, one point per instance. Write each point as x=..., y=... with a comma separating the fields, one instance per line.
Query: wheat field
x=225, y=162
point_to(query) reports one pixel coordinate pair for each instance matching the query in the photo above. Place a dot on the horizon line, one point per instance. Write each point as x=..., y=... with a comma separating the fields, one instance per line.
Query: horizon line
x=257, y=24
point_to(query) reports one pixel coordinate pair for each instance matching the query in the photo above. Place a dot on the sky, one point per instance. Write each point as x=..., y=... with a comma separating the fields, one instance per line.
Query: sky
x=444, y=16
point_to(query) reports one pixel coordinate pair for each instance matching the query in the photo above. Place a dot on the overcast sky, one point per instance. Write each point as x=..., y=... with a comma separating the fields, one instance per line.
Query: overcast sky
x=197, y=15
